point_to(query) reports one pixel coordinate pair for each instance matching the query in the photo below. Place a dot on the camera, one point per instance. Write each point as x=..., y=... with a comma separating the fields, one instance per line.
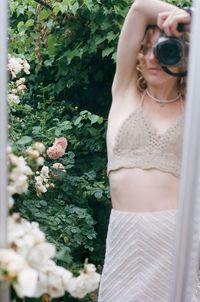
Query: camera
x=170, y=51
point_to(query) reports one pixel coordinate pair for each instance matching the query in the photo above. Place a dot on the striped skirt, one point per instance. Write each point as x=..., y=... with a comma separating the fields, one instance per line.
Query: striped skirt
x=138, y=264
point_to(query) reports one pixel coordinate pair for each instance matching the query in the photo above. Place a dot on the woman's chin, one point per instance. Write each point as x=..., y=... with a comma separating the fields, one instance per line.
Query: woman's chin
x=155, y=81
x=158, y=79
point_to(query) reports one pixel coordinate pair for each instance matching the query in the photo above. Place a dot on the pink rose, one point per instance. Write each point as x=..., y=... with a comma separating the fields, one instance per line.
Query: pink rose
x=55, y=152
x=61, y=141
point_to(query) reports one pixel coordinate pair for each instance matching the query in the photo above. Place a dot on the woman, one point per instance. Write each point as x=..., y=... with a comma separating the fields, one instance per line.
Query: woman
x=144, y=142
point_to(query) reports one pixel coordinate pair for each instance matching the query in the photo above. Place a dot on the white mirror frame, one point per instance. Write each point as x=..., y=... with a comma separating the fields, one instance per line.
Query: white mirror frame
x=188, y=225
x=4, y=291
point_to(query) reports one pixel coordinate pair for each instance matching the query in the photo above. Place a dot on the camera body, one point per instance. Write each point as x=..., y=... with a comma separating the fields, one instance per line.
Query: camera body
x=170, y=51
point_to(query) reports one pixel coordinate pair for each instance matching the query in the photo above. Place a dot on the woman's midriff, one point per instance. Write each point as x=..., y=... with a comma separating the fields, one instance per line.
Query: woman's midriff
x=139, y=190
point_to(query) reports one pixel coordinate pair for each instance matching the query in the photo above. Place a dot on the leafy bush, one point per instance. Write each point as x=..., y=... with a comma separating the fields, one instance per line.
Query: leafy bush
x=71, y=213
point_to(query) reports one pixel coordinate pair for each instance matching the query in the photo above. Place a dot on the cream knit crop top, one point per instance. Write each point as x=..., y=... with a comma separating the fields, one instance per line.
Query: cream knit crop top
x=139, y=145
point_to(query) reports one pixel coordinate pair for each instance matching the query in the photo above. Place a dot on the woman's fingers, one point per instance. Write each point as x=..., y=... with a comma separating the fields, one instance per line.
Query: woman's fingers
x=173, y=20
x=168, y=22
x=161, y=19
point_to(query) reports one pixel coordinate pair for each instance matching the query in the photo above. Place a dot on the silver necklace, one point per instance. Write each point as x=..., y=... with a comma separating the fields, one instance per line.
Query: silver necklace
x=163, y=102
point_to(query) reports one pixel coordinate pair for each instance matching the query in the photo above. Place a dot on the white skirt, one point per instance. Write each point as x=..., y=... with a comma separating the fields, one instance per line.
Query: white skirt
x=138, y=264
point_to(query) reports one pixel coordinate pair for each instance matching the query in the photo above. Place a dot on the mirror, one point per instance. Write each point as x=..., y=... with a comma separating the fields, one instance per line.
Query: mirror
x=61, y=67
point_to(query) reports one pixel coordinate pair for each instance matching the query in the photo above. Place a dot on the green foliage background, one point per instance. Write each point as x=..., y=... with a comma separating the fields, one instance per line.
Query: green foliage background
x=71, y=49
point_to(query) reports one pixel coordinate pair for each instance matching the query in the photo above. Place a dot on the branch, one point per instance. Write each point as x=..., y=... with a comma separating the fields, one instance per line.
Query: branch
x=43, y=3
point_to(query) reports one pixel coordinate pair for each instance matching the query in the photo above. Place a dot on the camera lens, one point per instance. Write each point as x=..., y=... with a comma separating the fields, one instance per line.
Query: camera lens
x=169, y=52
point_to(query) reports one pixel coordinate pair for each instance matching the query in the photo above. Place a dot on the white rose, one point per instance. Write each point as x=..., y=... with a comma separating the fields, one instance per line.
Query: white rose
x=32, y=154
x=39, y=180
x=13, y=99
x=40, y=254
x=10, y=202
x=41, y=287
x=40, y=147
x=26, y=283
x=59, y=166
x=92, y=281
x=15, y=66
x=40, y=188
x=26, y=67
x=21, y=164
x=39, y=236
x=15, y=230
x=55, y=282
x=90, y=268
x=77, y=286
x=40, y=161
x=44, y=171
x=20, y=81
x=83, y=284
x=11, y=262
x=13, y=91
x=16, y=267
x=19, y=181
x=21, y=89
x=11, y=189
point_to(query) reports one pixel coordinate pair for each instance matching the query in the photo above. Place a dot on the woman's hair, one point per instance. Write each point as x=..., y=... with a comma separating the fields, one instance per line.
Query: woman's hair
x=141, y=82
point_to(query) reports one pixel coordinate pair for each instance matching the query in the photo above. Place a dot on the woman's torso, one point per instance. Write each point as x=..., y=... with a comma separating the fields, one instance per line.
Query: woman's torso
x=137, y=189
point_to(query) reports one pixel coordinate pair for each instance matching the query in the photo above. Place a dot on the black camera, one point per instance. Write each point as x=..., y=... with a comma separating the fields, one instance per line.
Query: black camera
x=170, y=51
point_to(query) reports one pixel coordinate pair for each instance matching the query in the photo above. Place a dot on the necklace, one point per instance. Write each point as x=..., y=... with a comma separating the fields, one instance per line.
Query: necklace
x=163, y=102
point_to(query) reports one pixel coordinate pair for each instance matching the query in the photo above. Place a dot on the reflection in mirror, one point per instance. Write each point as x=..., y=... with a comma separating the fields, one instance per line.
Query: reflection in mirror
x=145, y=138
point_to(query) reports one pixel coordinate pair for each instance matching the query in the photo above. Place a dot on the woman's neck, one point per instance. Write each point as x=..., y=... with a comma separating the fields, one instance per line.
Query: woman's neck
x=163, y=93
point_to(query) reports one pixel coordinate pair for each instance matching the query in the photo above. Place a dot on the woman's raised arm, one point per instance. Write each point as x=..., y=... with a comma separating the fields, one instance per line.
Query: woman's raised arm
x=141, y=14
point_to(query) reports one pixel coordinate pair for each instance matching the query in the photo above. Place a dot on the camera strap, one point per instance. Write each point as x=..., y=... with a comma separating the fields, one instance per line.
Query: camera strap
x=174, y=74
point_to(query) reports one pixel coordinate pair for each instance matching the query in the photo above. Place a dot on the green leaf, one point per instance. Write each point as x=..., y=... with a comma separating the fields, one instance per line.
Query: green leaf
x=44, y=14
x=51, y=44
x=24, y=140
x=106, y=52
x=114, y=56
x=98, y=194
x=20, y=25
x=94, y=118
x=43, y=203
x=36, y=130
x=111, y=36
x=57, y=8
x=29, y=23
x=74, y=8
x=88, y=4
x=100, y=120
x=58, y=132
x=78, y=120
x=66, y=125
x=99, y=40
x=84, y=112
x=63, y=254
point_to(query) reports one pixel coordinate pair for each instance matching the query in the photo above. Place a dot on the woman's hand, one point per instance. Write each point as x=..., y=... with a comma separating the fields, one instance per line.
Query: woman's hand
x=169, y=21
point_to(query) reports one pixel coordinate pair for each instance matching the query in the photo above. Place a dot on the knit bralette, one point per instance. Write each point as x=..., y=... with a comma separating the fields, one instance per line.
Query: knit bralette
x=138, y=144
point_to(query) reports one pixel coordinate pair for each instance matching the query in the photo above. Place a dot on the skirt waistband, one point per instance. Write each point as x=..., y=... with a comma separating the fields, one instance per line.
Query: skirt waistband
x=162, y=212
